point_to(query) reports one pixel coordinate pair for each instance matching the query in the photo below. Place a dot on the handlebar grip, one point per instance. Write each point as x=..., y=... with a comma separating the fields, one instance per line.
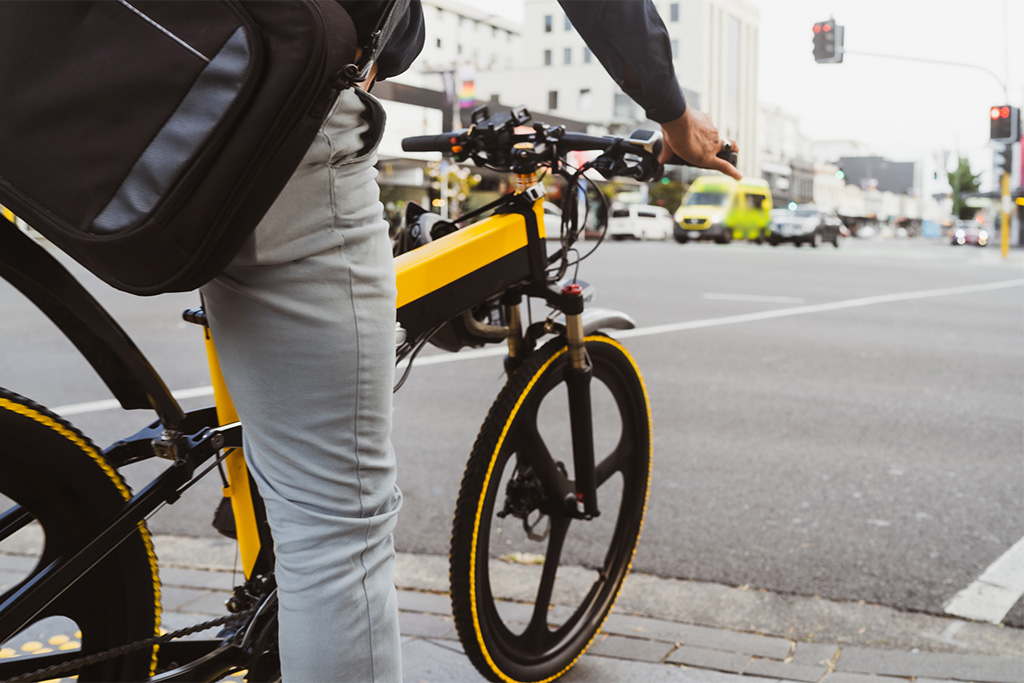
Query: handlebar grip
x=727, y=153
x=431, y=143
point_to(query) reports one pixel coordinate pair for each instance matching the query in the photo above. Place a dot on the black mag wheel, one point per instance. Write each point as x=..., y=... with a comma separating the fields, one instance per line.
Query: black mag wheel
x=55, y=490
x=532, y=584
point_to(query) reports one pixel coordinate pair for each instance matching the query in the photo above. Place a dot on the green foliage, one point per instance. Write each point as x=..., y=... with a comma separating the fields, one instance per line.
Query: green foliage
x=962, y=181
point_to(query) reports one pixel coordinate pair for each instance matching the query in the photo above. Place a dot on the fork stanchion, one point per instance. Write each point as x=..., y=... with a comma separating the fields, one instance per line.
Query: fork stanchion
x=577, y=384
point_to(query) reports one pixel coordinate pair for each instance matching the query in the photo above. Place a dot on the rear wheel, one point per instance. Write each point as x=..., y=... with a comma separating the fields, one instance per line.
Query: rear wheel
x=57, y=490
x=532, y=583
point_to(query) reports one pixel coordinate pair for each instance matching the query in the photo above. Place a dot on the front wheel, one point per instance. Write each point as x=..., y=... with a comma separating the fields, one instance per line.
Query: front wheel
x=531, y=582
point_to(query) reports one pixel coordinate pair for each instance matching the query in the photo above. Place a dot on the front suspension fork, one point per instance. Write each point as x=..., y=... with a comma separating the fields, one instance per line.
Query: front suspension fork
x=582, y=503
x=577, y=383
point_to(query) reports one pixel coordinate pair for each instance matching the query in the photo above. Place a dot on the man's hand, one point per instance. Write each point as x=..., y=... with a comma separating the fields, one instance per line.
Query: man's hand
x=694, y=138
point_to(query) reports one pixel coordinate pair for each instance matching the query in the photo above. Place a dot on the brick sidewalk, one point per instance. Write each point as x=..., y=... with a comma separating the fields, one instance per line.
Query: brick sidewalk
x=630, y=648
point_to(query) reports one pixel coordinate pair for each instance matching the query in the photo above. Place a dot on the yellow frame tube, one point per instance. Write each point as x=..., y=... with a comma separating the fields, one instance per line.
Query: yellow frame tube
x=237, y=489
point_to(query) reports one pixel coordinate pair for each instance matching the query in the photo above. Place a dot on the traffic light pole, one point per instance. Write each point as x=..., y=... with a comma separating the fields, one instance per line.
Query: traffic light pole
x=1006, y=92
x=1004, y=239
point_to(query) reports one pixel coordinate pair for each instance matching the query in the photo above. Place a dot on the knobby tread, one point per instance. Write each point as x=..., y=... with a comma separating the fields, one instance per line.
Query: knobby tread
x=23, y=416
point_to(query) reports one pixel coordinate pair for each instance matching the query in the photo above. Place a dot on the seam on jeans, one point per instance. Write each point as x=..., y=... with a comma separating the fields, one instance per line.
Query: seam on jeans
x=359, y=457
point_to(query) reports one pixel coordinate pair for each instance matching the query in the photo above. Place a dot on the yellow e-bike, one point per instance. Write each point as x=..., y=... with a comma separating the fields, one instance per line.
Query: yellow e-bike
x=552, y=498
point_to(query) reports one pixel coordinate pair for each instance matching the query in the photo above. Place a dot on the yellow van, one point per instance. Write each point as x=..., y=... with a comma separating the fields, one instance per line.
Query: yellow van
x=723, y=209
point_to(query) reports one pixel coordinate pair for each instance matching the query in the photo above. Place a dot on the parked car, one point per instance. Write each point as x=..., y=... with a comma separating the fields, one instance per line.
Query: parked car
x=969, y=232
x=722, y=209
x=640, y=221
x=805, y=224
x=866, y=232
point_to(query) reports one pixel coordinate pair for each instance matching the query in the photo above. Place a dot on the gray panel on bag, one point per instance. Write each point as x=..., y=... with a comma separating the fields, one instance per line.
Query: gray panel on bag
x=181, y=138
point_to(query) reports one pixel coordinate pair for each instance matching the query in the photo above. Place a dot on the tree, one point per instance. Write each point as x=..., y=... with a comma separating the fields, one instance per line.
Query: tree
x=962, y=181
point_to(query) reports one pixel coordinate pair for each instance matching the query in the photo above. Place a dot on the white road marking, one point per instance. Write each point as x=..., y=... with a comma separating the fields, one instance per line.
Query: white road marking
x=996, y=590
x=816, y=308
x=500, y=350
x=113, y=404
x=755, y=298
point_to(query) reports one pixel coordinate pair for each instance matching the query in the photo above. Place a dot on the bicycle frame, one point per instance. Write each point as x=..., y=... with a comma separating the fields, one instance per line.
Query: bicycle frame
x=502, y=255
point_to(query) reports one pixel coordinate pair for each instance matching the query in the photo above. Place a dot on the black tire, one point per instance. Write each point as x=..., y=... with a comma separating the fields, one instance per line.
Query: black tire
x=835, y=239
x=511, y=640
x=59, y=478
x=816, y=239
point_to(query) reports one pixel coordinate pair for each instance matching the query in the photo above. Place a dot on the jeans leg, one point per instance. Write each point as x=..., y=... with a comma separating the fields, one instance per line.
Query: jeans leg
x=307, y=341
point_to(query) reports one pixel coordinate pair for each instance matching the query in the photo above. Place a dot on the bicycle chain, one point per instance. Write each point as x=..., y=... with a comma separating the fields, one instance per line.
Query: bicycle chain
x=49, y=672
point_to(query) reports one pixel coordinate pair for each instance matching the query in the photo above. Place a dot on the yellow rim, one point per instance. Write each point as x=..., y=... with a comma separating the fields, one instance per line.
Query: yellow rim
x=487, y=479
x=97, y=458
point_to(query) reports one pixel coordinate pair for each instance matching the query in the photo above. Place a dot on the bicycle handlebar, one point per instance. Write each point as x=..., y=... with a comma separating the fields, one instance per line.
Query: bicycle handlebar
x=503, y=142
x=432, y=143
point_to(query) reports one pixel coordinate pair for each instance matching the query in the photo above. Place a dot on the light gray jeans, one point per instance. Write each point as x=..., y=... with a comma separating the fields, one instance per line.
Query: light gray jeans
x=304, y=323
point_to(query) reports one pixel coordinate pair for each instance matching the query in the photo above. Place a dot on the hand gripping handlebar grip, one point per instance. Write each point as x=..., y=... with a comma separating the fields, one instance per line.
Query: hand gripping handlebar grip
x=727, y=153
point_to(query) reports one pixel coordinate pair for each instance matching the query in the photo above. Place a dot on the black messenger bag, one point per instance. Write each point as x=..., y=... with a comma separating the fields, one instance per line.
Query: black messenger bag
x=147, y=138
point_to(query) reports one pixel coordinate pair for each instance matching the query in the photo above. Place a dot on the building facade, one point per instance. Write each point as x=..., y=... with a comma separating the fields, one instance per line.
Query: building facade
x=714, y=44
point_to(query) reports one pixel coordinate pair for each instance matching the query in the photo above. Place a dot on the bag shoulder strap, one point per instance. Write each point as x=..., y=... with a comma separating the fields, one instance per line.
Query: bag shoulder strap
x=377, y=40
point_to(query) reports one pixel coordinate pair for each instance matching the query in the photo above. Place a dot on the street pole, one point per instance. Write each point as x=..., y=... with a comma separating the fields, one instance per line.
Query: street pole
x=1004, y=241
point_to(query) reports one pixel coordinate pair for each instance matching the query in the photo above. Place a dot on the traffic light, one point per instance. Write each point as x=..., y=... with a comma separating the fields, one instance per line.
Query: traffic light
x=1005, y=123
x=828, y=42
x=1002, y=158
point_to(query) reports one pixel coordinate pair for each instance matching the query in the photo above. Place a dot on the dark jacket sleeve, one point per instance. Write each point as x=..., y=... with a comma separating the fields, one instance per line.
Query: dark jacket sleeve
x=631, y=42
x=406, y=42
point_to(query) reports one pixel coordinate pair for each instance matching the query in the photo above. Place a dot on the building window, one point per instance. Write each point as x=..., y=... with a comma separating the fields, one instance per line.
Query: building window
x=552, y=100
x=586, y=99
x=547, y=57
x=568, y=55
x=587, y=55
x=568, y=24
x=675, y=48
x=547, y=23
x=673, y=12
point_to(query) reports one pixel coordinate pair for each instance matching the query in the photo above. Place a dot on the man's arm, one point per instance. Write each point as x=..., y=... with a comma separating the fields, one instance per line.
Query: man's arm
x=631, y=42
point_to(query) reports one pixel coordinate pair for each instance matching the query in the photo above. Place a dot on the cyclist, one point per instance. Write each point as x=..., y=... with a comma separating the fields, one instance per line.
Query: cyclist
x=304, y=320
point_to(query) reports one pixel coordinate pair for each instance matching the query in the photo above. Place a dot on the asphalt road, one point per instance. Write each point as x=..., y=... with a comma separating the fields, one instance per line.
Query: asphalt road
x=845, y=423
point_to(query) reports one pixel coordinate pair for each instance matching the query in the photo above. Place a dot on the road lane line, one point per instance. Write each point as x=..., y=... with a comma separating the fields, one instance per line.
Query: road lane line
x=500, y=350
x=996, y=591
x=114, y=404
x=816, y=308
x=755, y=298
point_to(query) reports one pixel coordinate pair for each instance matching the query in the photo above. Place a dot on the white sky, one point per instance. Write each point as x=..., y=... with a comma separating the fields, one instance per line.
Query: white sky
x=902, y=109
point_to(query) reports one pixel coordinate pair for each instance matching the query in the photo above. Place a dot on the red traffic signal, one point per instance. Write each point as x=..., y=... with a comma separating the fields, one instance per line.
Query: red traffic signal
x=828, y=42
x=1004, y=123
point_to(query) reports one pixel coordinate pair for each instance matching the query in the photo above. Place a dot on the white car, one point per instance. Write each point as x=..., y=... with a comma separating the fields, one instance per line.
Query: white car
x=640, y=221
x=552, y=221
